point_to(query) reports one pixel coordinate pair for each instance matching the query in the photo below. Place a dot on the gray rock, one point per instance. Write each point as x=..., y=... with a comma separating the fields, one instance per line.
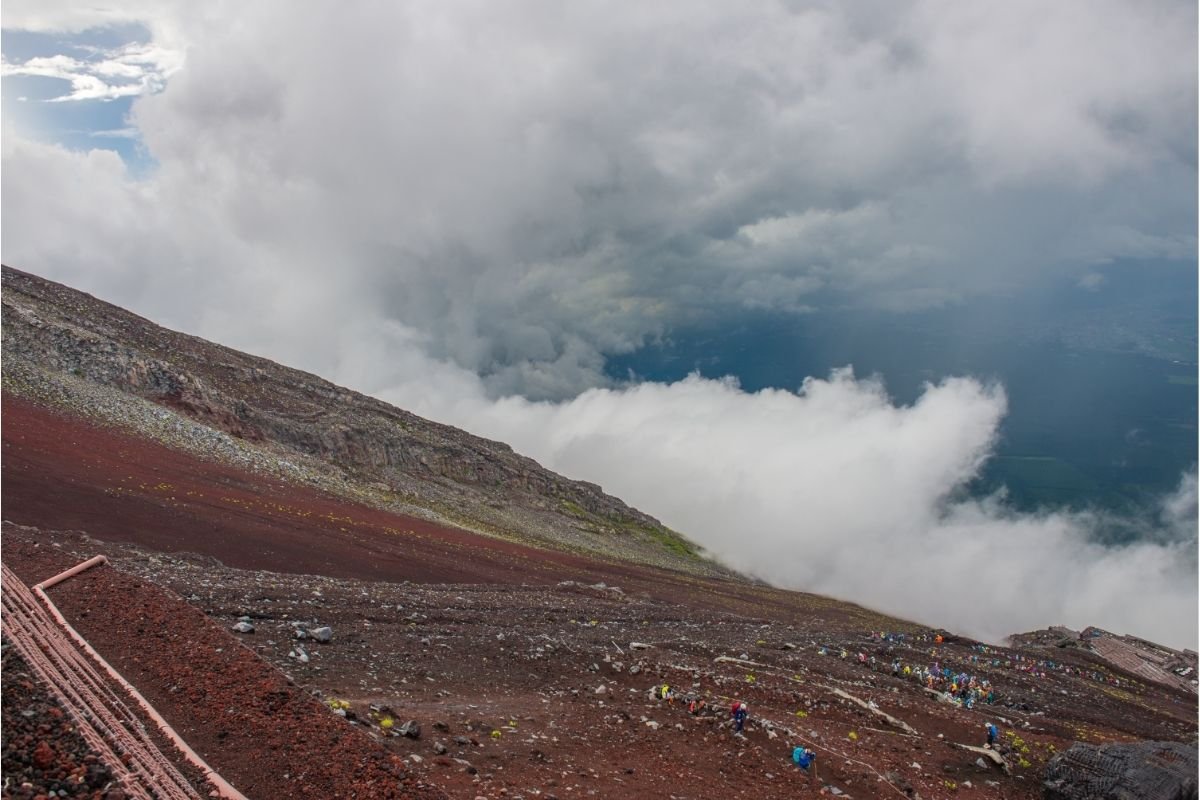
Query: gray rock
x=243, y=627
x=900, y=782
x=410, y=729
x=1137, y=771
x=322, y=634
x=439, y=748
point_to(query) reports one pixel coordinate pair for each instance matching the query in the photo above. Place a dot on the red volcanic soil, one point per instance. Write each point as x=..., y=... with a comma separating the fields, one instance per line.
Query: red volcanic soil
x=64, y=473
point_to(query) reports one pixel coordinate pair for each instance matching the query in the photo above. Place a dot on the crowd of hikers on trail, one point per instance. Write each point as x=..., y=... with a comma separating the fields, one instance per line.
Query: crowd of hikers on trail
x=804, y=758
x=962, y=686
x=697, y=705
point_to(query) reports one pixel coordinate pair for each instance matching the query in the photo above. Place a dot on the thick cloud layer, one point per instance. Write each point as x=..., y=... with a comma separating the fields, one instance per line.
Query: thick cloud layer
x=469, y=207
x=533, y=188
x=837, y=490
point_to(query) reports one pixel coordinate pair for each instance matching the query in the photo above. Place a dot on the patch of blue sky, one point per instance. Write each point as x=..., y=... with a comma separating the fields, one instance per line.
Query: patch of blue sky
x=29, y=100
x=19, y=46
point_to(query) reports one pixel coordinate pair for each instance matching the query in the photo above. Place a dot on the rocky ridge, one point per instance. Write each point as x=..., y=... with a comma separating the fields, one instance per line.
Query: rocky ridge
x=71, y=349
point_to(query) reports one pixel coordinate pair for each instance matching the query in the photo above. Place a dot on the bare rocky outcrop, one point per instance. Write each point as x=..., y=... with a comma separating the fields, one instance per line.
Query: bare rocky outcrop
x=54, y=334
x=1137, y=771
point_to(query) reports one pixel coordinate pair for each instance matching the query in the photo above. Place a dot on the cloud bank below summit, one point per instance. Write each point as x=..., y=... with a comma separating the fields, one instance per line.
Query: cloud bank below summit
x=836, y=489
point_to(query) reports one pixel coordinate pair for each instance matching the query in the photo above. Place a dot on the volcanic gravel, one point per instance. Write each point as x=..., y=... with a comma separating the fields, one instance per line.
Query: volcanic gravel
x=42, y=751
x=246, y=719
x=505, y=683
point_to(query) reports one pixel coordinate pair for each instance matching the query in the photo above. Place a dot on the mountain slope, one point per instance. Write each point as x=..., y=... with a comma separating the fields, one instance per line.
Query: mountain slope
x=225, y=489
x=64, y=344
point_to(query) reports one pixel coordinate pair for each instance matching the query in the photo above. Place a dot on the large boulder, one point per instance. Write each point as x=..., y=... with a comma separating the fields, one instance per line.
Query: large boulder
x=1137, y=771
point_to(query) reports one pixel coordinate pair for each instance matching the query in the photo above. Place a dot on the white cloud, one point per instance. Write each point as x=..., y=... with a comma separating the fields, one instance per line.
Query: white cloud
x=116, y=133
x=535, y=191
x=838, y=490
x=68, y=16
x=129, y=71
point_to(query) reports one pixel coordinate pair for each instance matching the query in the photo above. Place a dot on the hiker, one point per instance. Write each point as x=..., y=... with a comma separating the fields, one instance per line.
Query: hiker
x=806, y=760
x=739, y=717
x=696, y=706
x=991, y=735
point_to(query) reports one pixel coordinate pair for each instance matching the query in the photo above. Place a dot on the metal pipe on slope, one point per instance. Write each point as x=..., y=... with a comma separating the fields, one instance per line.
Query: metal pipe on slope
x=224, y=788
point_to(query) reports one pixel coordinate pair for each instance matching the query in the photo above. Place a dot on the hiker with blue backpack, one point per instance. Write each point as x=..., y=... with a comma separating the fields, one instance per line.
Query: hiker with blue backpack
x=806, y=760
